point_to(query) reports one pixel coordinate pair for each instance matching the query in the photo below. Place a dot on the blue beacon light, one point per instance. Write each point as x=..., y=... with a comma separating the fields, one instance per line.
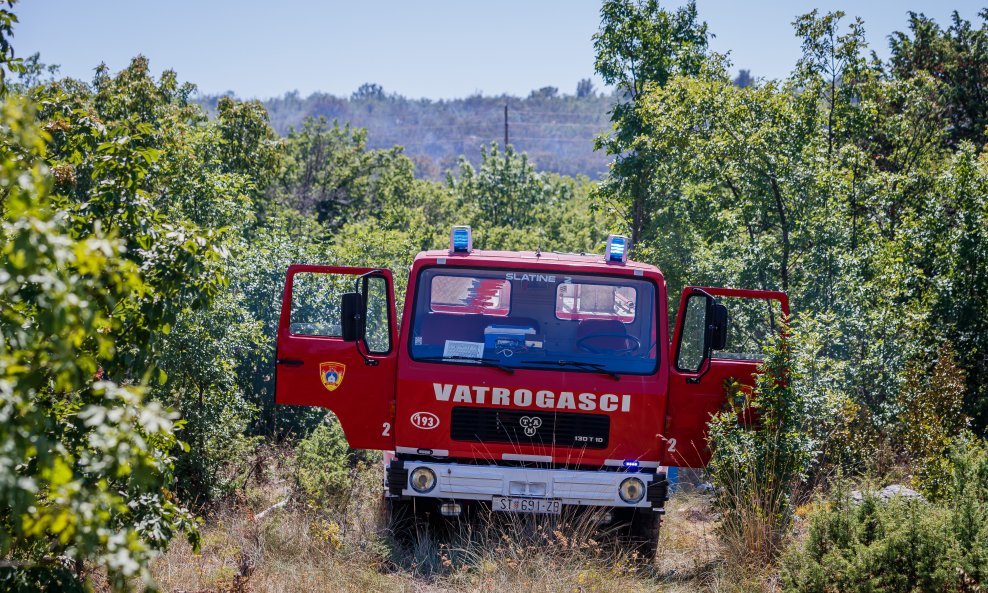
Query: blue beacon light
x=617, y=249
x=461, y=240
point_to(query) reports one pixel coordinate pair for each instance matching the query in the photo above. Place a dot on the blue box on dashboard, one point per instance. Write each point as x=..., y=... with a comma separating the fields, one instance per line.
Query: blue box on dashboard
x=513, y=337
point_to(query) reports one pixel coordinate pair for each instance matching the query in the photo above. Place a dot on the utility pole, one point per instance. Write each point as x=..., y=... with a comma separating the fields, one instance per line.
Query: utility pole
x=505, y=126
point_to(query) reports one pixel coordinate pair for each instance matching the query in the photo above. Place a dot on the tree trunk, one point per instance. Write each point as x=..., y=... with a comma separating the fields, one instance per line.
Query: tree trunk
x=784, y=226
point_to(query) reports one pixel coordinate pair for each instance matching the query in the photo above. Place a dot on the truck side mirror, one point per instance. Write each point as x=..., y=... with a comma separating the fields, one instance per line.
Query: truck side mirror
x=716, y=326
x=351, y=315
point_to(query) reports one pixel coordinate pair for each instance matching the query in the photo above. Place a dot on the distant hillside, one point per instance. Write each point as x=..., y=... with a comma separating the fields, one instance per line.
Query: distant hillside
x=556, y=130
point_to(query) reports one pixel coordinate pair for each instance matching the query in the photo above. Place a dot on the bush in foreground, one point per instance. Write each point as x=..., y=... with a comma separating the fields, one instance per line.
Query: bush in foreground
x=85, y=462
x=761, y=452
x=899, y=545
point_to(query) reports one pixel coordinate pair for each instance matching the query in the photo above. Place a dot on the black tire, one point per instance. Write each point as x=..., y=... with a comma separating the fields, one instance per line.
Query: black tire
x=412, y=519
x=400, y=515
x=640, y=528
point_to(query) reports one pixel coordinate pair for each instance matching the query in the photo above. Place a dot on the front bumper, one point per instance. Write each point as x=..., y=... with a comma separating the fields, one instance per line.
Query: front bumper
x=456, y=481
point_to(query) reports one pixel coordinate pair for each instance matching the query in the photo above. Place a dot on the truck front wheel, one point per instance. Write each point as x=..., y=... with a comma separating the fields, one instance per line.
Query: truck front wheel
x=409, y=519
x=640, y=529
x=400, y=518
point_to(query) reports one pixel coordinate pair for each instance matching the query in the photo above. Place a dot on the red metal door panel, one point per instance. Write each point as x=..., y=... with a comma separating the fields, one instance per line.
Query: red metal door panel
x=694, y=396
x=315, y=367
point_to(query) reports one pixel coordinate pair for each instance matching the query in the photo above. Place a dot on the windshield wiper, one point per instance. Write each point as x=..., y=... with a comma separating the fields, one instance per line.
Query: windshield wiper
x=487, y=362
x=593, y=366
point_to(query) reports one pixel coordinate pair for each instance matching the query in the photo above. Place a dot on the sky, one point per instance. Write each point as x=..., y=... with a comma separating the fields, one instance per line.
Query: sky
x=418, y=48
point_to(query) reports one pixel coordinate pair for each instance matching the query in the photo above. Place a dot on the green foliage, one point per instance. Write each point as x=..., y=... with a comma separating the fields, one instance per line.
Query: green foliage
x=842, y=431
x=201, y=357
x=121, y=147
x=838, y=185
x=955, y=56
x=641, y=44
x=968, y=504
x=330, y=172
x=8, y=63
x=905, y=545
x=932, y=405
x=137, y=159
x=326, y=466
x=761, y=451
x=34, y=72
x=898, y=546
x=506, y=191
x=86, y=463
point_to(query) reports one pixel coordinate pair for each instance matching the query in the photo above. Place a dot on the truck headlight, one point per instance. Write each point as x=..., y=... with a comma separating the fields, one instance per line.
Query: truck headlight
x=632, y=490
x=422, y=479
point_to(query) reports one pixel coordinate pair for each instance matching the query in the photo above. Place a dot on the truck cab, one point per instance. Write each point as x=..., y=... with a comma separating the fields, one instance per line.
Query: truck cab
x=523, y=381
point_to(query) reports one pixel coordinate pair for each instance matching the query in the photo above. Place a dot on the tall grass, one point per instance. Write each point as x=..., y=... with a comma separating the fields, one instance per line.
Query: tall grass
x=348, y=547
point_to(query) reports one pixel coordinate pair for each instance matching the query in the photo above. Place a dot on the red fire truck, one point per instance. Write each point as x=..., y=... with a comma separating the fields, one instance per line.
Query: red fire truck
x=526, y=382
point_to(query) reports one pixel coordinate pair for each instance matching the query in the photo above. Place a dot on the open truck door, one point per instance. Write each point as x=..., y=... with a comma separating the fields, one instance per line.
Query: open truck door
x=337, y=349
x=719, y=336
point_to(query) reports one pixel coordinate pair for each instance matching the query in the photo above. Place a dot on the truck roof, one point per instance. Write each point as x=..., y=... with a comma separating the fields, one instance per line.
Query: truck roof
x=595, y=260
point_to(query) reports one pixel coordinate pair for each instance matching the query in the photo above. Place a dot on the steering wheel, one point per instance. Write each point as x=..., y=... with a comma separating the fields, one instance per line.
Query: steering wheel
x=632, y=341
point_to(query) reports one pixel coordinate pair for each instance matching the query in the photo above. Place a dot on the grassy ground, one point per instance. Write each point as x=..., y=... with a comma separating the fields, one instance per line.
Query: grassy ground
x=294, y=548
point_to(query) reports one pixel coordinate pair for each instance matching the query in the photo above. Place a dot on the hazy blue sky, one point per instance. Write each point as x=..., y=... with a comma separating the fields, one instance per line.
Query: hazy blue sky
x=419, y=48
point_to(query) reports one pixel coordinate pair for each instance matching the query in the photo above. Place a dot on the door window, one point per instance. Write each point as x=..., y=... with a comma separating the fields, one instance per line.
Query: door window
x=690, y=354
x=316, y=303
x=753, y=323
x=378, y=327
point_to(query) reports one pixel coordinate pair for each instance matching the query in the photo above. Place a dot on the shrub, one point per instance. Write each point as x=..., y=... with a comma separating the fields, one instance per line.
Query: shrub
x=326, y=466
x=968, y=503
x=761, y=452
x=932, y=415
x=900, y=545
x=843, y=431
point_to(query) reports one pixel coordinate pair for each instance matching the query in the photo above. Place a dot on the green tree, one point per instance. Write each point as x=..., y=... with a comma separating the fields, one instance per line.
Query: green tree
x=639, y=44
x=368, y=90
x=131, y=155
x=86, y=463
x=761, y=453
x=8, y=63
x=506, y=191
x=584, y=88
x=330, y=171
x=743, y=79
x=956, y=56
x=832, y=185
x=546, y=92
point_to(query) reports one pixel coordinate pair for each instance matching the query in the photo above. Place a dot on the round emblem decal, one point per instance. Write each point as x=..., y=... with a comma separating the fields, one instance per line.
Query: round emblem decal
x=425, y=420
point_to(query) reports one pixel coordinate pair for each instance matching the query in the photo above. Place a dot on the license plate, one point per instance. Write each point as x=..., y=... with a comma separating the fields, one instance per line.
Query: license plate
x=545, y=506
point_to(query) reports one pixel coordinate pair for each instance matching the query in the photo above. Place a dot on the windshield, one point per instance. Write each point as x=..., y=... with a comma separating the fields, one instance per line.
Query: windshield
x=535, y=320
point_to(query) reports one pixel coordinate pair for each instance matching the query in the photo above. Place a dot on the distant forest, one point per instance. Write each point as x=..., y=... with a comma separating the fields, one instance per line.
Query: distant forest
x=557, y=130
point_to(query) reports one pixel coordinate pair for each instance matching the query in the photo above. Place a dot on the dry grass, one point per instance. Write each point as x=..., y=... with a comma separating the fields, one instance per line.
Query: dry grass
x=296, y=549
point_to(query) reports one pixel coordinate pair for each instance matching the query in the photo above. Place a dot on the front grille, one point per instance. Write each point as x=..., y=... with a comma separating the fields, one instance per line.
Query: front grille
x=561, y=429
